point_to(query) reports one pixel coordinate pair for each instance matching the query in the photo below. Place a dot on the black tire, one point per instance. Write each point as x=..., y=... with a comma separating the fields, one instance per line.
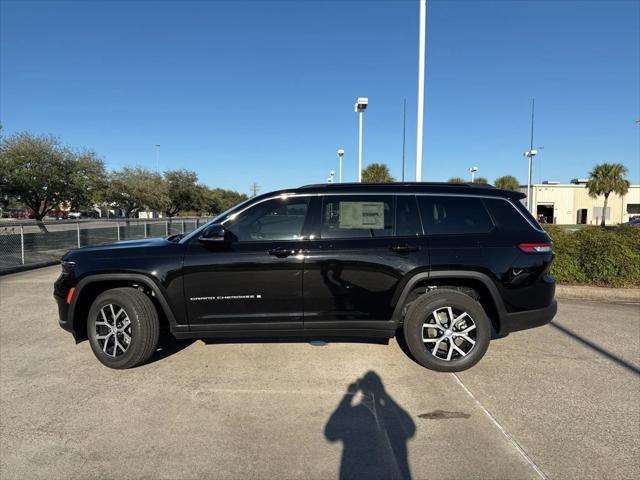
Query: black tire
x=143, y=329
x=421, y=311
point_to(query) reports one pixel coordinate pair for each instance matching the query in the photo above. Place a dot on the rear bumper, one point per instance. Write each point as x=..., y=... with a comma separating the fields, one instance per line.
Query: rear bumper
x=513, y=322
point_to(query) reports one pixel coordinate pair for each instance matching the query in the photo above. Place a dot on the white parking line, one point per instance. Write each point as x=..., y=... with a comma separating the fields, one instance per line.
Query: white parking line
x=504, y=432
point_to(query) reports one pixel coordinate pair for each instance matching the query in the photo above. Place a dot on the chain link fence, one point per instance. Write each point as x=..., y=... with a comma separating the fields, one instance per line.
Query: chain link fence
x=24, y=244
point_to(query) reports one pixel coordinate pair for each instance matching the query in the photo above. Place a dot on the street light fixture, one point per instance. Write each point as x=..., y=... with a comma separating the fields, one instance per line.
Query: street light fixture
x=361, y=105
x=332, y=174
x=340, y=153
x=473, y=171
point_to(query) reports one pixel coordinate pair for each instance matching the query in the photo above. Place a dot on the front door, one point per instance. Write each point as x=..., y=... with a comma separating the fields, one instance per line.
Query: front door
x=253, y=280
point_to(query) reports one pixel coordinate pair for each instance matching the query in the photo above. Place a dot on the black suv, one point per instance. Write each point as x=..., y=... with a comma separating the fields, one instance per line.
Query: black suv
x=447, y=266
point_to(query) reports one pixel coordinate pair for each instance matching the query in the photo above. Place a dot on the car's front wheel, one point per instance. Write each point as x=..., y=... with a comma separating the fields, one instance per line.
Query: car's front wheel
x=123, y=327
x=447, y=330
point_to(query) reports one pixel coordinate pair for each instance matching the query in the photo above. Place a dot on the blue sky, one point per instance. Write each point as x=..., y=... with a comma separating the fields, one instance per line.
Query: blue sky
x=263, y=91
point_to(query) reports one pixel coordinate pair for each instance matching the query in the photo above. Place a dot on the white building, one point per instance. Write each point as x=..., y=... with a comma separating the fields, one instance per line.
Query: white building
x=570, y=204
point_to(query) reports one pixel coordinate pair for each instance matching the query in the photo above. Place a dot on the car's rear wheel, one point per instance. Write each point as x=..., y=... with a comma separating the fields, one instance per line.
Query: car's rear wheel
x=123, y=327
x=447, y=330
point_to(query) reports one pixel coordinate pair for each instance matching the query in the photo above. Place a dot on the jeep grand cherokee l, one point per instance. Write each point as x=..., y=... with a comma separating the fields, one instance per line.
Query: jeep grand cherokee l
x=447, y=266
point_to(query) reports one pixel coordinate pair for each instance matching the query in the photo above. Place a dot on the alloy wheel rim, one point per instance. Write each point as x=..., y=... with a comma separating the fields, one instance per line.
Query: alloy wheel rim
x=113, y=330
x=449, y=333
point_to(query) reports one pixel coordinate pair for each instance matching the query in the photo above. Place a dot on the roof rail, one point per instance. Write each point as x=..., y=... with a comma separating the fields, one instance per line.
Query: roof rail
x=397, y=184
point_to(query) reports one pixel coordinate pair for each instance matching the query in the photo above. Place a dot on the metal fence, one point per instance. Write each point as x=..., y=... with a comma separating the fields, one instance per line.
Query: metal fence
x=24, y=244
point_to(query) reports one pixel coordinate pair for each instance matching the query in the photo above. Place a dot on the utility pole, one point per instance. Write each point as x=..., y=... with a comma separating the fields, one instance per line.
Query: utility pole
x=254, y=189
x=421, y=61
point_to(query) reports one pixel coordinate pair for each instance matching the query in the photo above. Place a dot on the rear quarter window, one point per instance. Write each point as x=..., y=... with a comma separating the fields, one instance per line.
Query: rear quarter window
x=509, y=216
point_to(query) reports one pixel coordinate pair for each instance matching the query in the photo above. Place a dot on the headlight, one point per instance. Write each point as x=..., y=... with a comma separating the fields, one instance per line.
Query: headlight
x=67, y=266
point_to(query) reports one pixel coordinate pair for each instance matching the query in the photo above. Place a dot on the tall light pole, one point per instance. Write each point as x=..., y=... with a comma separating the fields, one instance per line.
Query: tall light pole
x=360, y=107
x=404, y=132
x=157, y=158
x=473, y=171
x=530, y=154
x=340, y=153
x=421, y=55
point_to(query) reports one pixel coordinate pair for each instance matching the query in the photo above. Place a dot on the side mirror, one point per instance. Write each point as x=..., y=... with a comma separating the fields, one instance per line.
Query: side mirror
x=213, y=234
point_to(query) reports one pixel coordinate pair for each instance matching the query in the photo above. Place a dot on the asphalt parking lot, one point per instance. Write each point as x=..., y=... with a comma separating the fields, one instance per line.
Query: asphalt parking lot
x=561, y=401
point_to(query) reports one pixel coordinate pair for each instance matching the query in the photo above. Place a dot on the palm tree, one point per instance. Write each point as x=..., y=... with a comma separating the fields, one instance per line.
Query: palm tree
x=507, y=182
x=605, y=179
x=456, y=180
x=377, y=173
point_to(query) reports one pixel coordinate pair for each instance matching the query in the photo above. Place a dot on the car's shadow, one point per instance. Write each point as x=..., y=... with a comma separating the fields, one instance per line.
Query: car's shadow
x=169, y=345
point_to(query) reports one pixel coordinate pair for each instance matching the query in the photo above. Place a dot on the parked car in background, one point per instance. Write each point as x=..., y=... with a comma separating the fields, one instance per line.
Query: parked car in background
x=447, y=266
x=18, y=213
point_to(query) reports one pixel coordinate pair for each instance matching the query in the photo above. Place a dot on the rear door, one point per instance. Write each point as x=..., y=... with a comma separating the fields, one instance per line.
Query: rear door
x=363, y=245
x=457, y=228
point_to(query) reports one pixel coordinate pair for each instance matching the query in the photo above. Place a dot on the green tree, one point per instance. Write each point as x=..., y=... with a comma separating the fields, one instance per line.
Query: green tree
x=46, y=175
x=481, y=181
x=377, y=173
x=217, y=200
x=507, y=182
x=456, y=180
x=136, y=188
x=605, y=179
x=183, y=192
x=88, y=181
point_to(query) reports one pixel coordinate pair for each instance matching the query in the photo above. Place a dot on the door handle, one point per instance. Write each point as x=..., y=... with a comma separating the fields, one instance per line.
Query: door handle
x=281, y=252
x=404, y=248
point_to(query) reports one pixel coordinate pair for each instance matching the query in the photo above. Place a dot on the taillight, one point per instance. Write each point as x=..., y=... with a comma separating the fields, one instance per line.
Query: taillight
x=544, y=247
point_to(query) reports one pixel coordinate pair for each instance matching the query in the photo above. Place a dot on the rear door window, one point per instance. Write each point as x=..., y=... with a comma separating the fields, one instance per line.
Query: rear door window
x=452, y=215
x=407, y=217
x=357, y=216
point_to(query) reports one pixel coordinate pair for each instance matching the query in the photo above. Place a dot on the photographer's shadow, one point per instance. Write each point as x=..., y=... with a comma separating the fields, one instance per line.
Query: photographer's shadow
x=374, y=431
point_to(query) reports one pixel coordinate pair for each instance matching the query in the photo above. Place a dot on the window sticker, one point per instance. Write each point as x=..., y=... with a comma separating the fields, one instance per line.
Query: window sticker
x=362, y=215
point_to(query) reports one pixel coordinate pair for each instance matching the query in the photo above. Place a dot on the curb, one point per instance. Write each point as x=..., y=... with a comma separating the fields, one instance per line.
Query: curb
x=606, y=294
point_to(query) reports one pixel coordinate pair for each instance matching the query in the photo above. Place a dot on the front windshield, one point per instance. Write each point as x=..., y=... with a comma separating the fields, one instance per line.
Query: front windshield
x=217, y=219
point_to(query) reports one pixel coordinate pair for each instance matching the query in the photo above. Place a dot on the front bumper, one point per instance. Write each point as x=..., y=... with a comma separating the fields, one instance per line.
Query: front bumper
x=63, y=314
x=513, y=322
x=61, y=289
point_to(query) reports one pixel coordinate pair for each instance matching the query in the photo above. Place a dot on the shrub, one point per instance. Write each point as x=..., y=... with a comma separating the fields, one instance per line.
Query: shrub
x=597, y=255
